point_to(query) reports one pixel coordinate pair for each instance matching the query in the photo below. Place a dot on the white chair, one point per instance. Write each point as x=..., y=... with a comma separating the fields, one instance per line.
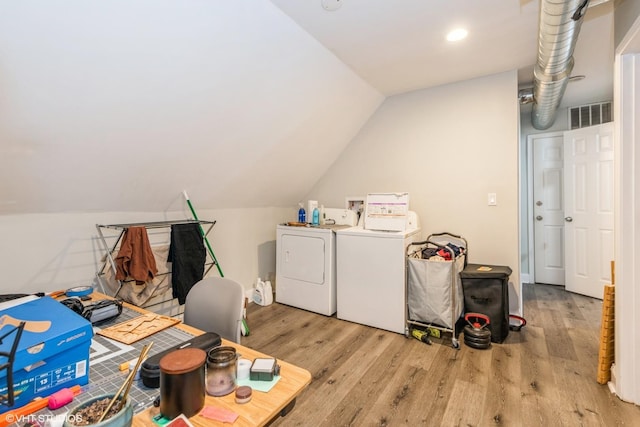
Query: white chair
x=215, y=304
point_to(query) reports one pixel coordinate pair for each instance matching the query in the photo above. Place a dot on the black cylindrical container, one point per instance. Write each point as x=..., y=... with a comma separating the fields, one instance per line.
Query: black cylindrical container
x=182, y=382
x=486, y=291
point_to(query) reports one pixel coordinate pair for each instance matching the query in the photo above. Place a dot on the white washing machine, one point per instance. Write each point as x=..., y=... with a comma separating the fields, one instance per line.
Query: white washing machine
x=306, y=267
x=371, y=276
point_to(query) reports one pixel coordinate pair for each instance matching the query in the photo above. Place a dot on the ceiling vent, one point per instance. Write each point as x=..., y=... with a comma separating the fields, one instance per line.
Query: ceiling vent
x=589, y=115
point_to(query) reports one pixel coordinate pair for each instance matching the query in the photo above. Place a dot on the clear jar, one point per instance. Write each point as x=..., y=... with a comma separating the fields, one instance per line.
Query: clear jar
x=221, y=371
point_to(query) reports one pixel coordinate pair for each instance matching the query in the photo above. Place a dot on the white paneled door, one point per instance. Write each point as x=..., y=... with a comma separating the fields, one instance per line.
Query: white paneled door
x=589, y=214
x=548, y=208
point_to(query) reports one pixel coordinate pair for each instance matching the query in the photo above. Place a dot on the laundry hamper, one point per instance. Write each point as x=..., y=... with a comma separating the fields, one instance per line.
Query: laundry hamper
x=434, y=289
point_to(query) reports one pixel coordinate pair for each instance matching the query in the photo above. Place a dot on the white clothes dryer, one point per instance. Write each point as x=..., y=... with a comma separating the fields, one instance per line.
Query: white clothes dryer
x=306, y=267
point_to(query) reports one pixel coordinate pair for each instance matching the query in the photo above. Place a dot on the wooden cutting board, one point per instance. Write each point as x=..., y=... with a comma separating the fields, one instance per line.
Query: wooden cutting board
x=138, y=328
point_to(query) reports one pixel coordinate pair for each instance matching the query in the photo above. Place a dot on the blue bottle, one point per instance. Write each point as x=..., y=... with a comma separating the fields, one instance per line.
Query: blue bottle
x=302, y=215
x=315, y=217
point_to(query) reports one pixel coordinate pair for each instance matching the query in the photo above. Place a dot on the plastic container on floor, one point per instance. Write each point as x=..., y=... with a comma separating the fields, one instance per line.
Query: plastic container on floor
x=486, y=291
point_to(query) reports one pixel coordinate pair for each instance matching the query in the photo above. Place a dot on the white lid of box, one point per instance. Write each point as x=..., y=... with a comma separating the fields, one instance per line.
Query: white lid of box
x=386, y=211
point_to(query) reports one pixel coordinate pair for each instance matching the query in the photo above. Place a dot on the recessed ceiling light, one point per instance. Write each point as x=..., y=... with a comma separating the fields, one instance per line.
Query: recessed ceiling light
x=457, y=34
x=331, y=5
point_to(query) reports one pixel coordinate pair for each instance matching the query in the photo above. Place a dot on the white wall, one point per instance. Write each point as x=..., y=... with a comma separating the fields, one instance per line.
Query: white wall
x=413, y=143
x=448, y=147
x=47, y=252
x=109, y=110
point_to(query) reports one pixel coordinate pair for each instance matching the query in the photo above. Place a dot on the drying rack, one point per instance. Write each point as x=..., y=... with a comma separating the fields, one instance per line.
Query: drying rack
x=205, y=228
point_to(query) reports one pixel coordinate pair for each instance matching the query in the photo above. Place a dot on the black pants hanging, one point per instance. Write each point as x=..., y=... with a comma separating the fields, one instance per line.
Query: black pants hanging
x=187, y=255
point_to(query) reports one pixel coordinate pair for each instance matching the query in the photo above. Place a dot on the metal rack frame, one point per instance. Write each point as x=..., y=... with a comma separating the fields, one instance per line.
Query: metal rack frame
x=205, y=227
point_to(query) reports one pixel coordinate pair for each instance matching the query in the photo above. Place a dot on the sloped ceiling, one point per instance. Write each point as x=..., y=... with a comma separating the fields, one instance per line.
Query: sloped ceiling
x=122, y=105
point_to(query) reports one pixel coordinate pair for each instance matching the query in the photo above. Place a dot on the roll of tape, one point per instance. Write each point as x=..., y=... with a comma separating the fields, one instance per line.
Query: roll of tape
x=244, y=365
x=79, y=291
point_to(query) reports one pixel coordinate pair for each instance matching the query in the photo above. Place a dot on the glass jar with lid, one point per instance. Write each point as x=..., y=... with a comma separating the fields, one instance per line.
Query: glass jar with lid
x=221, y=371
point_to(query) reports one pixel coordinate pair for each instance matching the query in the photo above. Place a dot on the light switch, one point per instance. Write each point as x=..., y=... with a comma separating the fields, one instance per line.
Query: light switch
x=492, y=199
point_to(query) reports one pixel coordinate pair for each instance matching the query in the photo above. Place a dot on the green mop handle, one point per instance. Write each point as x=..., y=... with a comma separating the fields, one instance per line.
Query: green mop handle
x=195, y=216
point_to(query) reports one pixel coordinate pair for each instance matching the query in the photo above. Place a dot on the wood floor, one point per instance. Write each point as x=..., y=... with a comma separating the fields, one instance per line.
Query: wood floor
x=544, y=375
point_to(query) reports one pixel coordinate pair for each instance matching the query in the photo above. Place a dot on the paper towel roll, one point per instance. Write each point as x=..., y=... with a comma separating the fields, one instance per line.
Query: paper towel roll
x=244, y=366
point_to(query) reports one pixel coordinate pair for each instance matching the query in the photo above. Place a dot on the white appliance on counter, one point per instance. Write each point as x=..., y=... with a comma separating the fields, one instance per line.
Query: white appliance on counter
x=370, y=271
x=306, y=263
x=336, y=216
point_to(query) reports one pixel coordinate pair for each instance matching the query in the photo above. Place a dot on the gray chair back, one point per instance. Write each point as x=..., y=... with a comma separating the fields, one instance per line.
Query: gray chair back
x=215, y=304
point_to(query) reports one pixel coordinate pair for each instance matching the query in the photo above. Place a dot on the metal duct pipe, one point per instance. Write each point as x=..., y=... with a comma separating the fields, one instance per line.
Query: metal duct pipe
x=560, y=22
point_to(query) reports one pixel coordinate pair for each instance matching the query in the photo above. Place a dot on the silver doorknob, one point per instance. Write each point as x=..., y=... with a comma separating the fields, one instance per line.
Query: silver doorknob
x=539, y=217
x=568, y=218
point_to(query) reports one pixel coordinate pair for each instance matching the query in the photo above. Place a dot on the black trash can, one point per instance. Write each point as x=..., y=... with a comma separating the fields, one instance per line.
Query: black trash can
x=486, y=291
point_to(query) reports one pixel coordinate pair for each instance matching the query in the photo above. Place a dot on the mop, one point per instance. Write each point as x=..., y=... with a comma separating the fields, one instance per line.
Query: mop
x=244, y=326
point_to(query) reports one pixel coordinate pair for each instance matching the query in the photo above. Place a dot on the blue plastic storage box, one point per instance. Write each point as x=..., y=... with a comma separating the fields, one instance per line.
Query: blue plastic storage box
x=53, y=352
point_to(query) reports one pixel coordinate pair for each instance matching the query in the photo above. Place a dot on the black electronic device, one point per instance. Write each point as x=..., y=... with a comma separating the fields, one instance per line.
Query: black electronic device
x=103, y=310
x=150, y=369
x=97, y=312
x=74, y=304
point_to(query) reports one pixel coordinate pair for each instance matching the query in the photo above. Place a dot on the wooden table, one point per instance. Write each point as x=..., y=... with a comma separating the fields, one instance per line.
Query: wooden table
x=262, y=408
